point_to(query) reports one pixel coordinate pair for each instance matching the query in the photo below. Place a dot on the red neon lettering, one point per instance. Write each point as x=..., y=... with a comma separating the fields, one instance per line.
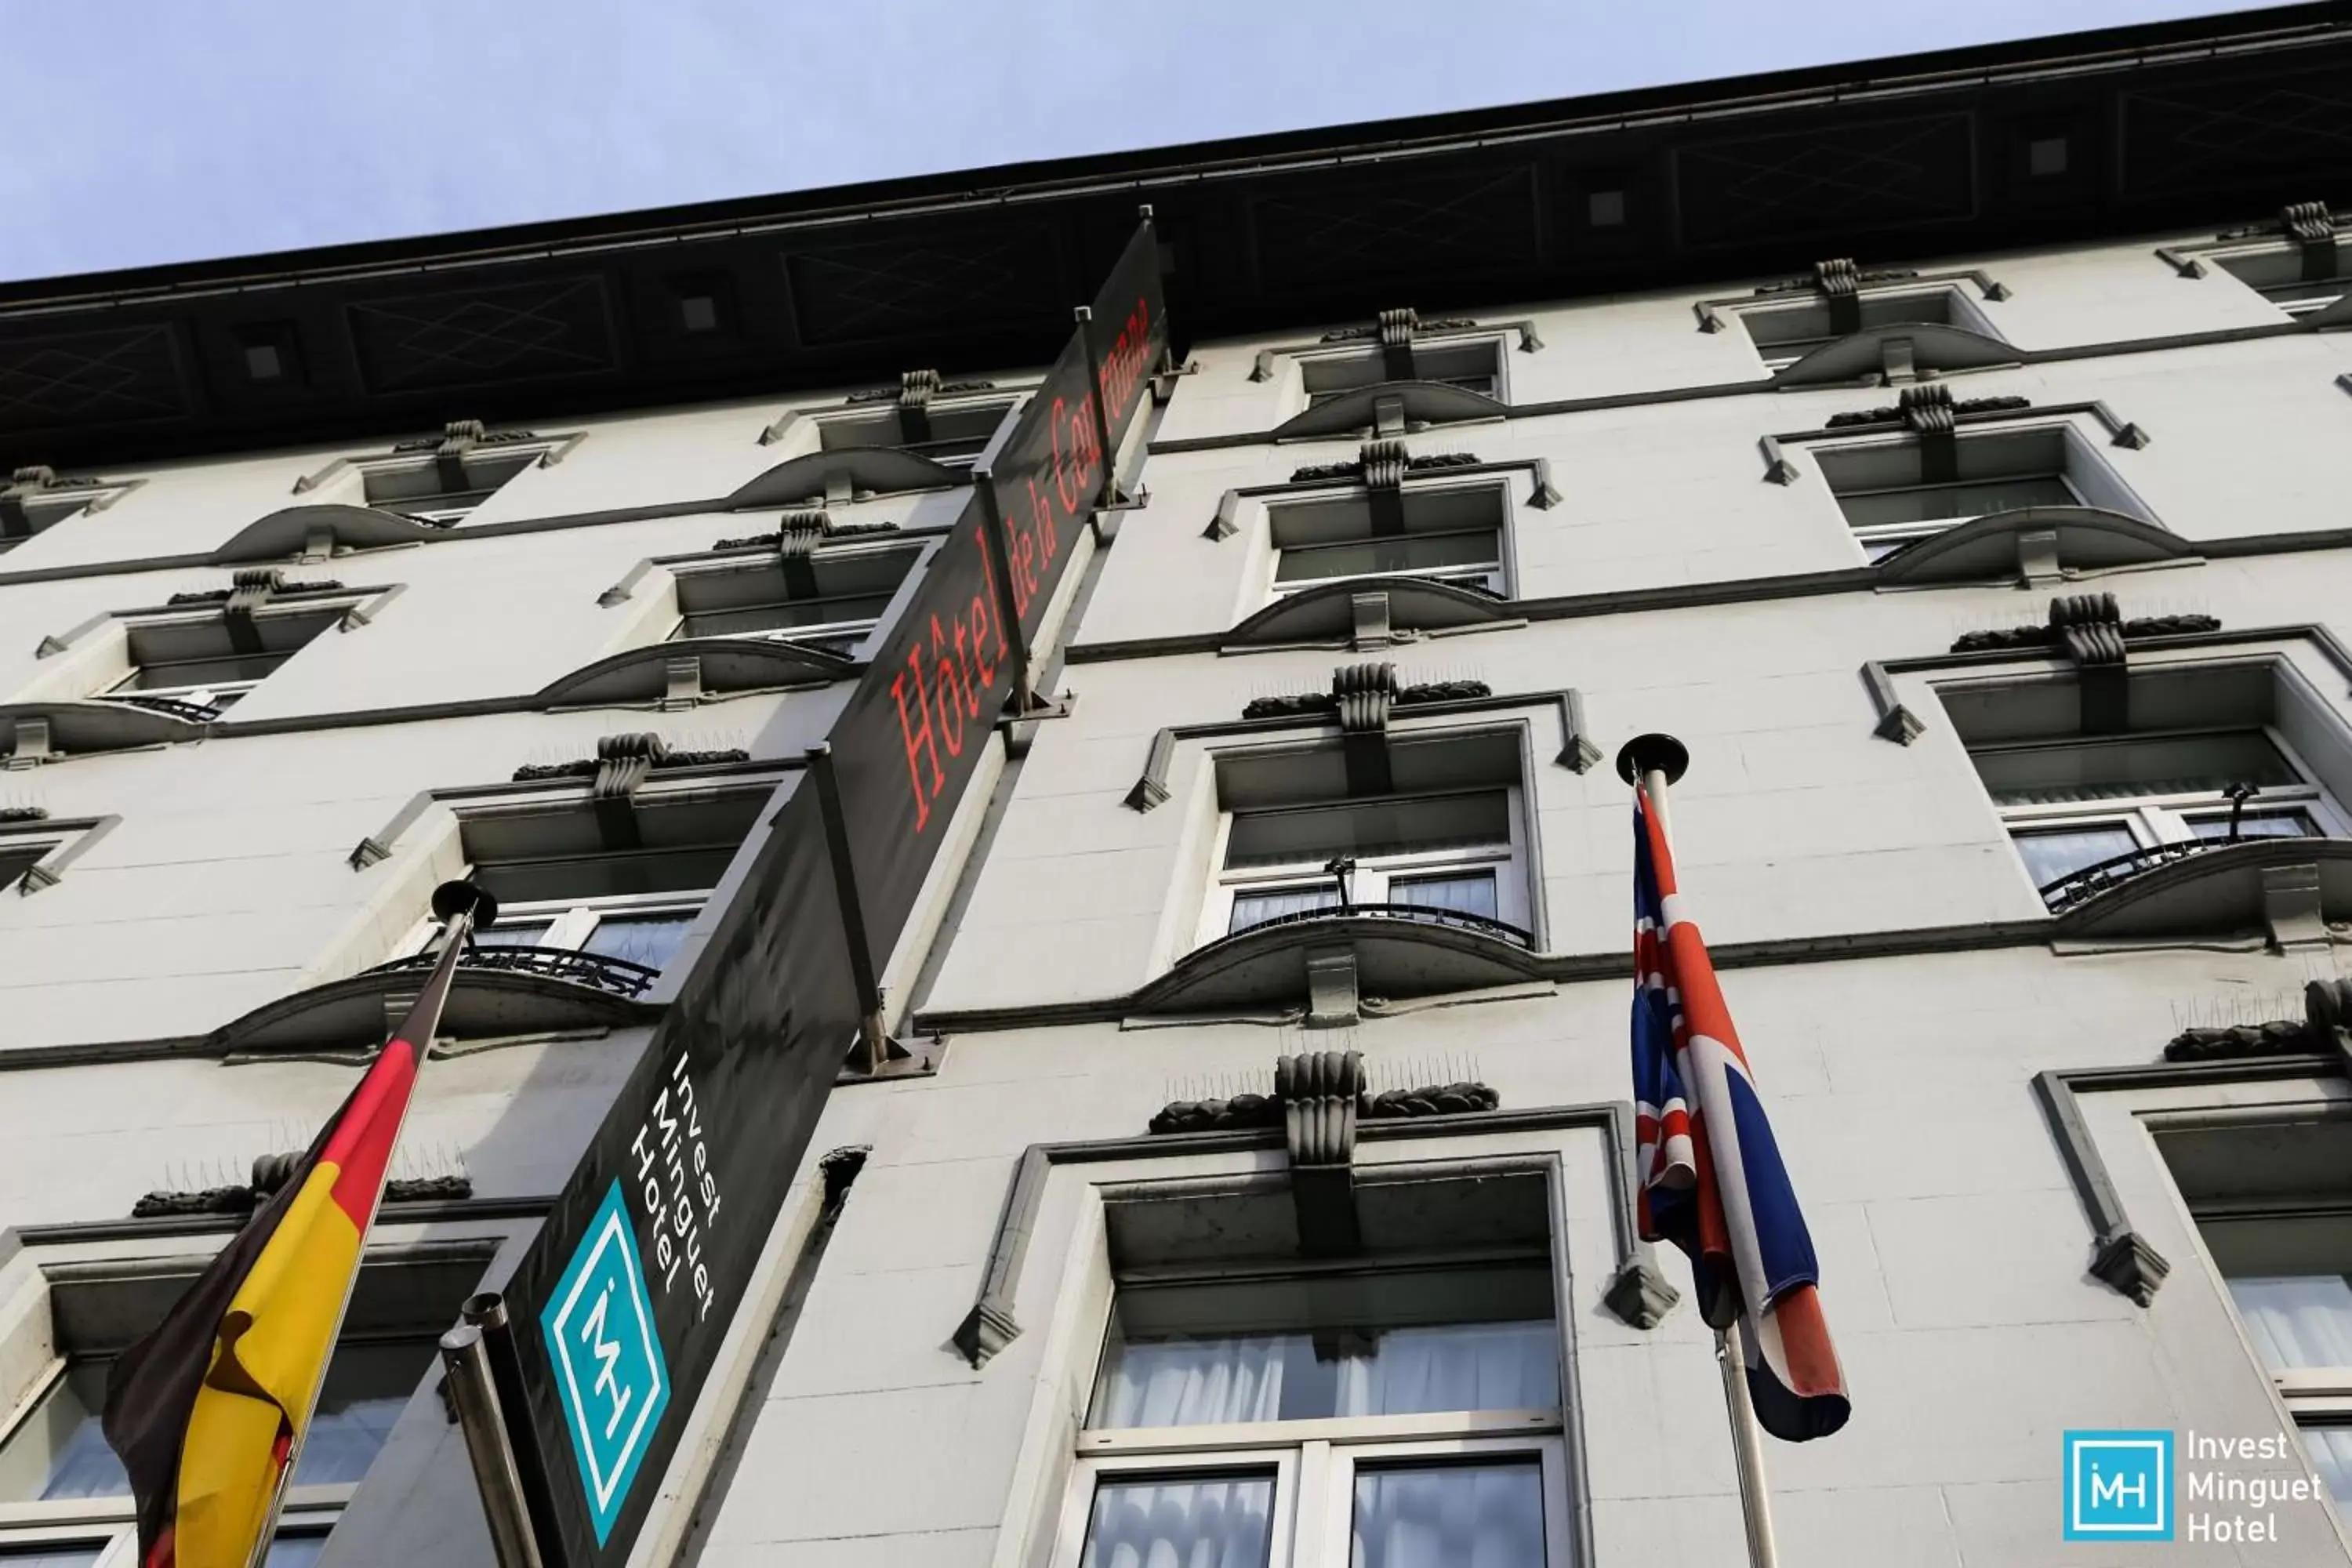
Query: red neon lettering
x=987, y=671
x=1066, y=484
x=924, y=737
x=951, y=721
x=984, y=613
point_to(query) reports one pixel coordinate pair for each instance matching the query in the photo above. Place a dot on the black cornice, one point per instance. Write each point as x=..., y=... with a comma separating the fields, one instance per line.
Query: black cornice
x=2213, y=120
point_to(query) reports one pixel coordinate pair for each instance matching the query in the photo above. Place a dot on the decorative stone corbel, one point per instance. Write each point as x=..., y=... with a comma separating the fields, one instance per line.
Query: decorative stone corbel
x=2291, y=909
x=2312, y=229
x=623, y=764
x=249, y=589
x=1929, y=414
x=916, y=390
x=798, y=534
x=1839, y=283
x=1332, y=1000
x=1397, y=330
x=1897, y=362
x=1366, y=694
x=1371, y=611
x=1387, y=415
x=2090, y=627
x=682, y=682
x=29, y=746
x=1895, y=722
x=1384, y=464
x=2037, y=557
x=1320, y=1092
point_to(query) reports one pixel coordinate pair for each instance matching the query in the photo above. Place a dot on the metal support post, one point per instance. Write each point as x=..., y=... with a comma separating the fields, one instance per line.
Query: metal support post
x=878, y=1047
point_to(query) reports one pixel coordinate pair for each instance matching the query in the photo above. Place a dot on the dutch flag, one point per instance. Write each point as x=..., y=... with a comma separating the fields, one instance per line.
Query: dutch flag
x=1710, y=1178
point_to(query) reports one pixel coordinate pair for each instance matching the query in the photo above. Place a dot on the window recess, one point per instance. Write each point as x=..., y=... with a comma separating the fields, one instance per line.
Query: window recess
x=2272, y=1208
x=437, y=480
x=196, y=663
x=64, y=1499
x=1433, y=834
x=2121, y=770
x=1400, y=1408
x=948, y=422
x=602, y=892
x=1788, y=319
x=2301, y=262
x=35, y=499
x=808, y=591
x=1450, y=533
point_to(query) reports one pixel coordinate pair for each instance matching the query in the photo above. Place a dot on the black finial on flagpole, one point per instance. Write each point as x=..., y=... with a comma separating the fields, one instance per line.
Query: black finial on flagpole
x=452, y=899
x=1652, y=754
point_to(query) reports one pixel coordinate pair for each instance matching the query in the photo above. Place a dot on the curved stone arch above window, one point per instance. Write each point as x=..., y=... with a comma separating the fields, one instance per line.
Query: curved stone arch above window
x=682, y=673
x=1388, y=408
x=321, y=530
x=1364, y=613
x=36, y=732
x=355, y=1014
x=1336, y=968
x=838, y=478
x=1889, y=356
x=2289, y=892
x=2036, y=545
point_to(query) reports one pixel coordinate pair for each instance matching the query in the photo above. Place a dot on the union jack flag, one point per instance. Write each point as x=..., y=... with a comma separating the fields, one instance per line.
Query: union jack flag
x=1711, y=1180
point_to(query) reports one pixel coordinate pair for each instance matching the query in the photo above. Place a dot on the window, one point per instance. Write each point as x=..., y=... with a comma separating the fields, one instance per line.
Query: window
x=563, y=887
x=2205, y=744
x=2278, y=274
x=951, y=429
x=1475, y=364
x=1400, y=1410
x=1450, y=535
x=1785, y=333
x=207, y=660
x=36, y=499
x=19, y=855
x=2268, y=1204
x=831, y=599
x=1889, y=501
x=64, y=1499
x=442, y=491
x=1446, y=843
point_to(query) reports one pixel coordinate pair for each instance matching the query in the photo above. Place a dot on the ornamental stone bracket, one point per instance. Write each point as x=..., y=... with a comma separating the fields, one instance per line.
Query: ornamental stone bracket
x=2309, y=227
x=1839, y=282
x=1320, y=1115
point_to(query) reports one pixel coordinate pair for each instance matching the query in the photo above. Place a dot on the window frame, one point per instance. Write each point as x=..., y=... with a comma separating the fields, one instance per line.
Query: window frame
x=109, y=1523
x=527, y=455
x=1497, y=579
x=1509, y=861
x=329, y=609
x=1961, y=313
x=1462, y=342
x=856, y=632
x=2274, y=248
x=571, y=922
x=2080, y=468
x=1006, y=401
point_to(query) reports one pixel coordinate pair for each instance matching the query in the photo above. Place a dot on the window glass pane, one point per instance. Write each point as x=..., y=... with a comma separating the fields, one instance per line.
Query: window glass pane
x=2296, y=1319
x=789, y=615
x=1463, y=892
x=287, y=1550
x=1400, y=552
x=61, y=1554
x=1451, y=1516
x=2258, y=824
x=184, y=672
x=1284, y=834
x=1219, y=1523
x=1257, y=907
x=649, y=940
x=1924, y=503
x=2059, y=852
x=2132, y=767
x=59, y=1451
x=2330, y=1448
x=525, y=933
x=1380, y=1343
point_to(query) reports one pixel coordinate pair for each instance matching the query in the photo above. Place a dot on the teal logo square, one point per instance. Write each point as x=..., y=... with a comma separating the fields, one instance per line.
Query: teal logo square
x=610, y=1377
x=2118, y=1485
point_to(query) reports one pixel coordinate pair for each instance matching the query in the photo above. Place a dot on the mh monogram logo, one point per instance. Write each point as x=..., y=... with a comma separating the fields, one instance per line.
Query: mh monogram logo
x=2118, y=1485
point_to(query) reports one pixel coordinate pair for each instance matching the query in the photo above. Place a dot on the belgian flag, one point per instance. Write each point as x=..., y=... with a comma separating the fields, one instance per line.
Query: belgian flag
x=208, y=1412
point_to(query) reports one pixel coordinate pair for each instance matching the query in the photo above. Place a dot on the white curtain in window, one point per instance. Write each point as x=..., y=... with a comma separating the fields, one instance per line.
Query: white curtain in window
x=1464, y=1516
x=1257, y=909
x=1464, y=893
x=2297, y=1319
x=1454, y=1366
x=1195, y=1382
x=1220, y=1524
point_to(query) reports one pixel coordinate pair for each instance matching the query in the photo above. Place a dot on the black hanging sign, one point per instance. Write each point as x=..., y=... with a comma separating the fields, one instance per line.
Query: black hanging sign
x=620, y=1304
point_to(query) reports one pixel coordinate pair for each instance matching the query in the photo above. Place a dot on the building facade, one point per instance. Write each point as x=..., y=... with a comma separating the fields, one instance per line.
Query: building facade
x=1240, y=1172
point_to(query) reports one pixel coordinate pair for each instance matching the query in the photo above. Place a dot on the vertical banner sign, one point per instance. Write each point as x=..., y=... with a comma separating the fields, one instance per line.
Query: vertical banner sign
x=620, y=1304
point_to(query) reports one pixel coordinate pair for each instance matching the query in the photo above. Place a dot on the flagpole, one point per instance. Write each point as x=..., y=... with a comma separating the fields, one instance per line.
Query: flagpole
x=457, y=903
x=1658, y=761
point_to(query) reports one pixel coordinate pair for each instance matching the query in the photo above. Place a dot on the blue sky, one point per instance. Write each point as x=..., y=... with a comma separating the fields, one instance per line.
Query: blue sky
x=138, y=131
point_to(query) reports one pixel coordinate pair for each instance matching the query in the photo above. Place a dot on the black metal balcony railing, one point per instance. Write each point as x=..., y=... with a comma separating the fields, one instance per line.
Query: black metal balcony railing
x=193, y=712
x=1413, y=914
x=2081, y=887
x=619, y=976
